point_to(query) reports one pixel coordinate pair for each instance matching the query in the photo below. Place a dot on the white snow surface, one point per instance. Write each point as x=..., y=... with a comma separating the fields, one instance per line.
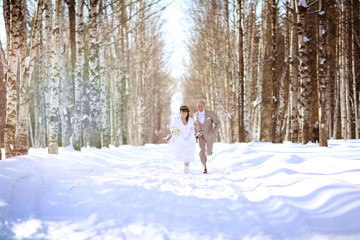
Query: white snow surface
x=252, y=191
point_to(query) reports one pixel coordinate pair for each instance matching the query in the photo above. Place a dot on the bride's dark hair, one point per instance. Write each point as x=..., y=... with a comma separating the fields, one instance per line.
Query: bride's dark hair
x=185, y=109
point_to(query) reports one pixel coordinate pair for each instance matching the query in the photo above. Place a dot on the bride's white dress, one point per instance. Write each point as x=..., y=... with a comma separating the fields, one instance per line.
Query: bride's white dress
x=183, y=146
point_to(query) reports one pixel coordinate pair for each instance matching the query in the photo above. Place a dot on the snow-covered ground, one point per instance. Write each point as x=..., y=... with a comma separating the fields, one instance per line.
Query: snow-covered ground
x=252, y=191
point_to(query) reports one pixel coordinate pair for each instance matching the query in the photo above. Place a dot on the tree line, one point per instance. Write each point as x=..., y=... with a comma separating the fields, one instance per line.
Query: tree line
x=93, y=72
x=271, y=69
x=82, y=73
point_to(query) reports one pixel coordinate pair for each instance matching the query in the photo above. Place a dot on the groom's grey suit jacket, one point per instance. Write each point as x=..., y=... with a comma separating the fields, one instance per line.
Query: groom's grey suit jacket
x=208, y=125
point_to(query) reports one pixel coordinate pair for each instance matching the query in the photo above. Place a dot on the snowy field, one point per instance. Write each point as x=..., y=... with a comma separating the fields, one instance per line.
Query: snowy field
x=252, y=191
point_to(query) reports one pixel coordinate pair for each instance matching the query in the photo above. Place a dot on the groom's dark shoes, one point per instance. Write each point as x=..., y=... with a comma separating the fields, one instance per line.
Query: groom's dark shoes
x=205, y=170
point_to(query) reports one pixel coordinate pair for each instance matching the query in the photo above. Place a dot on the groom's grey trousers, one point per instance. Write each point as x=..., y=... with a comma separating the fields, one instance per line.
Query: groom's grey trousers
x=206, y=148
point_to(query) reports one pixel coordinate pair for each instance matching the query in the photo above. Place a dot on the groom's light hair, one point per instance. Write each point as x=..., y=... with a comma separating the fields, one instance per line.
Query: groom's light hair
x=200, y=101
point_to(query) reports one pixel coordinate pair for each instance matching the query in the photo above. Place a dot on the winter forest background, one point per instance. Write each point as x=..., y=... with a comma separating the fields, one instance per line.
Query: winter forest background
x=95, y=72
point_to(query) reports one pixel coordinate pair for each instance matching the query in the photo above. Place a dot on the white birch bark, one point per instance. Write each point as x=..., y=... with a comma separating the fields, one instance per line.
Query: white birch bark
x=95, y=137
x=284, y=78
x=294, y=82
x=3, y=70
x=39, y=102
x=65, y=81
x=251, y=69
x=304, y=73
x=247, y=48
x=79, y=76
x=122, y=122
x=228, y=81
x=26, y=69
x=343, y=75
x=54, y=84
x=355, y=47
x=66, y=92
x=7, y=21
x=323, y=129
x=48, y=8
x=124, y=79
x=347, y=53
x=241, y=72
x=276, y=132
x=11, y=84
x=104, y=120
x=282, y=105
x=259, y=101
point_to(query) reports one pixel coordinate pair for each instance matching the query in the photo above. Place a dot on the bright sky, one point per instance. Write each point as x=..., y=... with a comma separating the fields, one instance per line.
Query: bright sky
x=176, y=29
x=175, y=32
x=2, y=26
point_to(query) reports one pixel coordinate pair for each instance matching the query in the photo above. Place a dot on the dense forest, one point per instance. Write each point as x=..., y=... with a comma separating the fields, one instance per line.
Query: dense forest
x=86, y=73
x=271, y=69
x=94, y=72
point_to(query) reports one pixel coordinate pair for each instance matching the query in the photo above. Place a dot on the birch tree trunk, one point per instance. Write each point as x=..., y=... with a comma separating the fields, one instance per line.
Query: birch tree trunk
x=282, y=105
x=229, y=80
x=323, y=66
x=355, y=60
x=72, y=37
x=347, y=50
x=26, y=69
x=124, y=77
x=241, y=73
x=95, y=137
x=275, y=136
x=39, y=100
x=65, y=94
x=79, y=76
x=259, y=104
x=294, y=82
x=304, y=72
x=7, y=20
x=54, y=85
x=344, y=80
x=284, y=81
x=103, y=55
x=48, y=8
x=3, y=69
x=11, y=84
x=251, y=71
x=267, y=97
x=22, y=128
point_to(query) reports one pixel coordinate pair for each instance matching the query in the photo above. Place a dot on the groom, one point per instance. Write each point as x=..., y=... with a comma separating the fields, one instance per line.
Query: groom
x=205, y=131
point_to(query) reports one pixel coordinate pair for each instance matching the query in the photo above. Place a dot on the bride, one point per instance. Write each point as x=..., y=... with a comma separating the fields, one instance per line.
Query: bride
x=182, y=142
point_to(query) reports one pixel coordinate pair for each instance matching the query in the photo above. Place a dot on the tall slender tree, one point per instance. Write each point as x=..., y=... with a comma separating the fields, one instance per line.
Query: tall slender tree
x=26, y=69
x=78, y=76
x=12, y=70
x=241, y=72
x=94, y=67
x=323, y=66
x=305, y=79
x=2, y=96
x=54, y=84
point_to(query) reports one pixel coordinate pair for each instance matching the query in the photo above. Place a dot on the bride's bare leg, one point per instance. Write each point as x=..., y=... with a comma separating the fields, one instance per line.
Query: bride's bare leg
x=186, y=167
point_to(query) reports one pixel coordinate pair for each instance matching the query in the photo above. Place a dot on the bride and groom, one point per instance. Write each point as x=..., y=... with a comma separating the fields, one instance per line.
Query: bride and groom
x=182, y=140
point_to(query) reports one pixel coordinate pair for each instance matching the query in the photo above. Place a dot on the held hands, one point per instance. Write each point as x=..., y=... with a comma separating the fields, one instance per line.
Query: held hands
x=199, y=134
